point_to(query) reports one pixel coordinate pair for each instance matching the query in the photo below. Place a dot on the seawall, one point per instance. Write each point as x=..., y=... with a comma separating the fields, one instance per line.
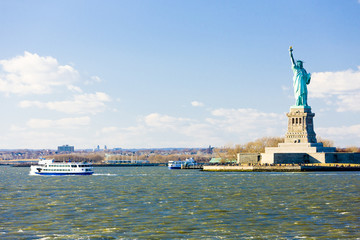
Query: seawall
x=283, y=168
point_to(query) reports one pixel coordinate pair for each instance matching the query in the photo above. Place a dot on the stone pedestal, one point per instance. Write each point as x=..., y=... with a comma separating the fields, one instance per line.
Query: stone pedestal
x=300, y=141
x=300, y=126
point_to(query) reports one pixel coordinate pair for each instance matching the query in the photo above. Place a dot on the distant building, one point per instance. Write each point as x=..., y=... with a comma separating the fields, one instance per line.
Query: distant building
x=210, y=150
x=248, y=158
x=65, y=148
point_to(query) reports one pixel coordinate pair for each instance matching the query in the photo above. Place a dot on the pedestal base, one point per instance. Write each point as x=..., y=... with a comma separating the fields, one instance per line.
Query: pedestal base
x=296, y=153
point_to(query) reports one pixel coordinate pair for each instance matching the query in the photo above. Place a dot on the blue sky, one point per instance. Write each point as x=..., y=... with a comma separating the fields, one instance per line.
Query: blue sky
x=158, y=73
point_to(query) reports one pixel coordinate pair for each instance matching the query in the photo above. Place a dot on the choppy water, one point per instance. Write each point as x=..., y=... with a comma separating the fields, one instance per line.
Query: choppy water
x=157, y=203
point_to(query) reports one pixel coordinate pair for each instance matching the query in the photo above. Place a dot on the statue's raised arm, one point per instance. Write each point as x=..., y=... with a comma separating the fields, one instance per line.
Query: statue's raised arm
x=291, y=55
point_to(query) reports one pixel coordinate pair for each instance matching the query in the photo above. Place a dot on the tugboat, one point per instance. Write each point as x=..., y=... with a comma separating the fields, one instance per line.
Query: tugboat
x=50, y=167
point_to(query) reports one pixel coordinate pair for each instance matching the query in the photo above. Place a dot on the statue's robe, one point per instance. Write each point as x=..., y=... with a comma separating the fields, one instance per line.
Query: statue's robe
x=301, y=79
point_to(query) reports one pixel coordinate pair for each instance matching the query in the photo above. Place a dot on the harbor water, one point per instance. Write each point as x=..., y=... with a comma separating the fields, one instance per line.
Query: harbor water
x=157, y=203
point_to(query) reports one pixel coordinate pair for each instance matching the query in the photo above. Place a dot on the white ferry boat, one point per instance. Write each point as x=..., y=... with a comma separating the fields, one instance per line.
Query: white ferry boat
x=178, y=164
x=50, y=167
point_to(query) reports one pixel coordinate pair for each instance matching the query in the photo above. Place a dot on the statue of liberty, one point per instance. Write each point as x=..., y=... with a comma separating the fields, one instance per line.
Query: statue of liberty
x=301, y=79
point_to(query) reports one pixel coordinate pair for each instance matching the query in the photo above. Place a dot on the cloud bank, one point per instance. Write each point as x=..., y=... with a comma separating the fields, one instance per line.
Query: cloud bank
x=340, y=89
x=34, y=82
x=79, y=104
x=162, y=130
x=33, y=74
x=349, y=133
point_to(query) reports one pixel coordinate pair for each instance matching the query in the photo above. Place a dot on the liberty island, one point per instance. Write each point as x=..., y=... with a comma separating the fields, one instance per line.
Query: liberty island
x=300, y=145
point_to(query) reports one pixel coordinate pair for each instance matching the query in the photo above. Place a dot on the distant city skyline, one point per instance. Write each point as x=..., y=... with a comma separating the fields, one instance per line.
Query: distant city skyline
x=160, y=74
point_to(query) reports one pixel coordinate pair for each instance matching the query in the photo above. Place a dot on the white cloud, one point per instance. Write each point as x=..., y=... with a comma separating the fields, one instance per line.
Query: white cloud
x=242, y=120
x=92, y=80
x=80, y=104
x=343, y=130
x=156, y=120
x=33, y=74
x=60, y=123
x=161, y=130
x=197, y=104
x=15, y=128
x=341, y=88
x=343, y=133
x=109, y=129
x=349, y=102
x=74, y=88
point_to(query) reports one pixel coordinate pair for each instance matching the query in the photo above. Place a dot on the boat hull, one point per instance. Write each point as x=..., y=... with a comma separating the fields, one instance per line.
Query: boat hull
x=59, y=174
x=174, y=167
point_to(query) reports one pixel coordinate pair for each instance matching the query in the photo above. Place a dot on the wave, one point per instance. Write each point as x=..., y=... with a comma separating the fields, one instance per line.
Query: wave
x=104, y=174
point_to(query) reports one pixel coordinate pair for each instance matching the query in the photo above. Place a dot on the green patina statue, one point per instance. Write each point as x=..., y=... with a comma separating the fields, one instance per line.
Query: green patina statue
x=301, y=79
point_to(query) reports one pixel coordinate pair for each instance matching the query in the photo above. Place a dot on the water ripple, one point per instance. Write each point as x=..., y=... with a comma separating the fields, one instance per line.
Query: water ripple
x=156, y=203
